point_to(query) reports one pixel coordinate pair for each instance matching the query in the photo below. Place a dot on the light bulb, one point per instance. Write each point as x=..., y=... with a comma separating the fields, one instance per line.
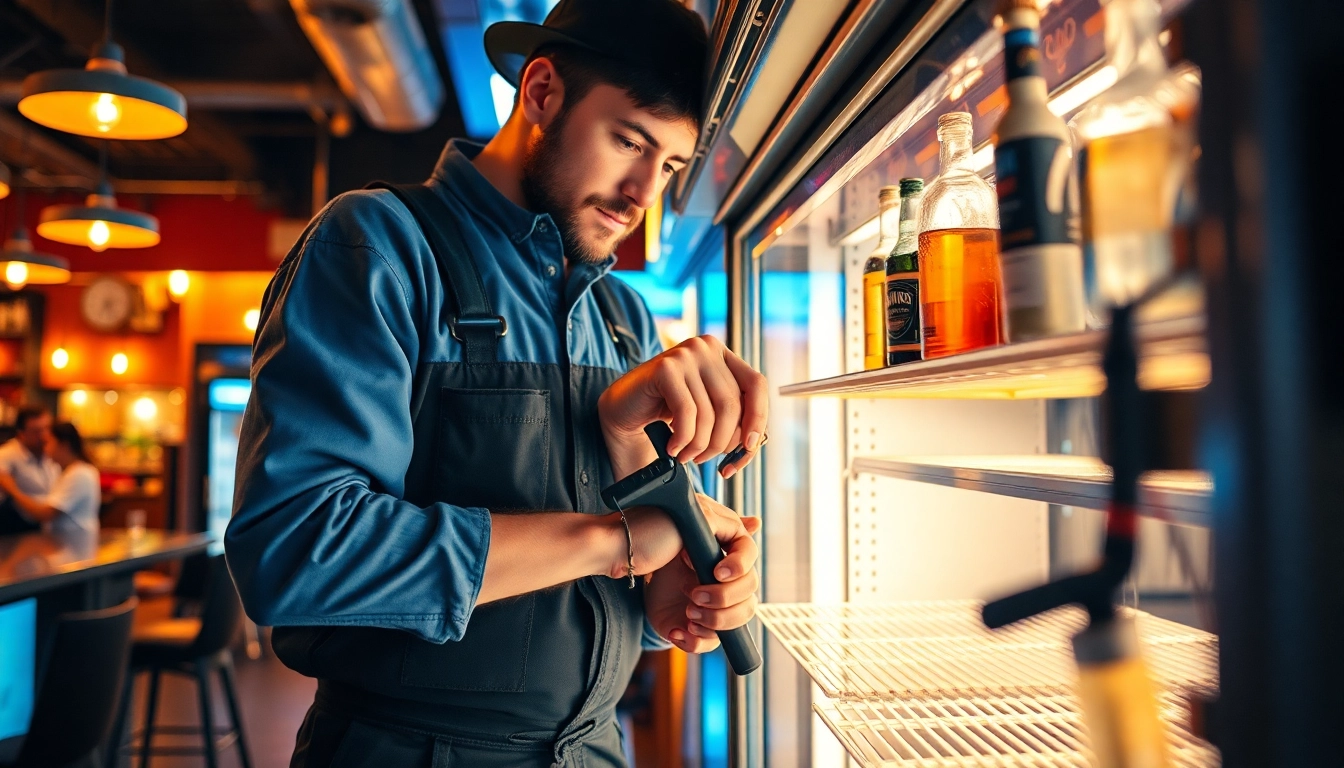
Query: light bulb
x=99, y=234
x=250, y=319
x=178, y=283
x=145, y=409
x=60, y=358
x=110, y=397
x=106, y=112
x=16, y=274
x=79, y=397
x=120, y=363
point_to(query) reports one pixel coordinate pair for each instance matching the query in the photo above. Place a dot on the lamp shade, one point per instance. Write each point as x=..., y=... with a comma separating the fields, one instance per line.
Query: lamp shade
x=103, y=101
x=37, y=269
x=99, y=224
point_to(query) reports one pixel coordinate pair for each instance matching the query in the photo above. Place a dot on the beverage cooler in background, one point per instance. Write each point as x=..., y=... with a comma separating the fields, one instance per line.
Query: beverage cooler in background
x=221, y=391
x=899, y=494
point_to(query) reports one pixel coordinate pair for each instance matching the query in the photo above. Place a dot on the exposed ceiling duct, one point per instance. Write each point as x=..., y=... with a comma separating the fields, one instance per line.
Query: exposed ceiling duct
x=377, y=53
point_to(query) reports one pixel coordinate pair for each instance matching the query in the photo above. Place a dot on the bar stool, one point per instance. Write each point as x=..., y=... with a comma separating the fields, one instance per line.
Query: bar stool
x=193, y=646
x=77, y=697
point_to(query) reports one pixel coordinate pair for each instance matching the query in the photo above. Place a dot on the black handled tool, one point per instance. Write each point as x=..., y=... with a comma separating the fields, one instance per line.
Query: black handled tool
x=666, y=484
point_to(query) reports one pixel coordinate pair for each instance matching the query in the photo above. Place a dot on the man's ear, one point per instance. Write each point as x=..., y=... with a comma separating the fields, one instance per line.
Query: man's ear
x=541, y=93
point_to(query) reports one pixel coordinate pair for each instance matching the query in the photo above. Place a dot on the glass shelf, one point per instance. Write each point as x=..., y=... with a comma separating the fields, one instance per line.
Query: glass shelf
x=1170, y=333
x=1074, y=481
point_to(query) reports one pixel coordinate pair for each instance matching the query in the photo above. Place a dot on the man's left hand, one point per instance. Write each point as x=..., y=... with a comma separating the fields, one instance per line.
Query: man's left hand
x=687, y=613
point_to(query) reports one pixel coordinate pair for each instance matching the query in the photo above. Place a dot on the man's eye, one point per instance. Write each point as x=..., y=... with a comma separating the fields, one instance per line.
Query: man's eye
x=668, y=170
x=627, y=144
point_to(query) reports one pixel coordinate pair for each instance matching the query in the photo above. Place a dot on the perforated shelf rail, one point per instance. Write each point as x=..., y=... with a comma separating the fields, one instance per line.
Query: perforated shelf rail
x=926, y=684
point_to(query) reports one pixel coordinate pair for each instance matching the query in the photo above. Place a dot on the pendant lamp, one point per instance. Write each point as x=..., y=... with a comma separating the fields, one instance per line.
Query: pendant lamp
x=99, y=223
x=23, y=265
x=102, y=100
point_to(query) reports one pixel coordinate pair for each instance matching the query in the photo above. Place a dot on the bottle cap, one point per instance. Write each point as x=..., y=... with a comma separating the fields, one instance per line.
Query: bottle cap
x=911, y=187
x=888, y=195
x=952, y=123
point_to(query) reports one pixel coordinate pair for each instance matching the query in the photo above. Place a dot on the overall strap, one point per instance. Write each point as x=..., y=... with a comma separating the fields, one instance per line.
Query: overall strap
x=475, y=324
x=618, y=323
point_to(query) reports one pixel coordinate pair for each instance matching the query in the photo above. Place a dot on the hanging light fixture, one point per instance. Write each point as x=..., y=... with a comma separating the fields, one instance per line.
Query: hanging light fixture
x=102, y=100
x=99, y=223
x=23, y=265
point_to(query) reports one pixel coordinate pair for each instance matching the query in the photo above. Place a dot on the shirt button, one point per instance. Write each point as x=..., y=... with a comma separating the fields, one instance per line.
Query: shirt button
x=541, y=227
x=570, y=325
x=550, y=270
x=583, y=477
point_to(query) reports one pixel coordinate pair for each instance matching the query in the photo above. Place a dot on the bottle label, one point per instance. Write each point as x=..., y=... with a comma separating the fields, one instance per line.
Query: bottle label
x=1032, y=176
x=902, y=312
x=1022, y=53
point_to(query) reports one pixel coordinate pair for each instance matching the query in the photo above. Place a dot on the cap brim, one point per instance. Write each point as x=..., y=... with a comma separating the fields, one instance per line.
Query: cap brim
x=509, y=43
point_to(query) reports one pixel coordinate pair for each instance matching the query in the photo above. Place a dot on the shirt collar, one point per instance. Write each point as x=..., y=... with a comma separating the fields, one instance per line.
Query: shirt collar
x=454, y=172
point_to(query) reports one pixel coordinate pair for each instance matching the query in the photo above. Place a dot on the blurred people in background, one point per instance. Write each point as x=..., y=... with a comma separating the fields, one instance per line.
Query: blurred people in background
x=71, y=507
x=24, y=459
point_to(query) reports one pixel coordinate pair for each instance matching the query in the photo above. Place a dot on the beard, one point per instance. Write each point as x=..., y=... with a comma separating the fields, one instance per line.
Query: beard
x=548, y=190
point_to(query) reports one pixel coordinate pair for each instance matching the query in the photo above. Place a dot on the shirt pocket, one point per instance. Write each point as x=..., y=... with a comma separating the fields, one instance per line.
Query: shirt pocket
x=493, y=448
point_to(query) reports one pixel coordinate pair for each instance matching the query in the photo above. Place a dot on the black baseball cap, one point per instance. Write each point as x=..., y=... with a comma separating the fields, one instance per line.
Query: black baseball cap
x=659, y=36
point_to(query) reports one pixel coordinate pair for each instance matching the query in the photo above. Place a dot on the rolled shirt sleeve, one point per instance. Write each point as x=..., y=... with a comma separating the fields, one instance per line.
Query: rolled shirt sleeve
x=320, y=533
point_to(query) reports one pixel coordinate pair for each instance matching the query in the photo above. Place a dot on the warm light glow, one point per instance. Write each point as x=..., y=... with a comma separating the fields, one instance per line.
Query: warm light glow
x=145, y=409
x=177, y=396
x=106, y=112
x=79, y=397
x=110, y=397
x=1086, y=89
x=60, y=358
x=99, y=234
x=865, y=231
x=16, y=274
x=178, y=283
x=120, y=363
x=250, y=319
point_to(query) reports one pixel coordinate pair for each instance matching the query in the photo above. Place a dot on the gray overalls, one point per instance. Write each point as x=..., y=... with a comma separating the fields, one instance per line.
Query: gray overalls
x=535, y=679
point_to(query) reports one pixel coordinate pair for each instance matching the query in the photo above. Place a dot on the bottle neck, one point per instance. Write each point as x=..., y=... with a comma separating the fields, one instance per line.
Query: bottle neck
x=889, y=222
x=909, y=238
x=1022, y=56
x=955, y=152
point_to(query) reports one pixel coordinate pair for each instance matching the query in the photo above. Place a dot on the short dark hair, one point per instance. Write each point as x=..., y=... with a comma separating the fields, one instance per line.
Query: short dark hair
x=65, y=433
x=26, y=414
x=580, y=69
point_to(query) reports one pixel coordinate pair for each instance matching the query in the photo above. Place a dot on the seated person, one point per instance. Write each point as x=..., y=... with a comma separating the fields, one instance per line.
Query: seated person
x=72, y=506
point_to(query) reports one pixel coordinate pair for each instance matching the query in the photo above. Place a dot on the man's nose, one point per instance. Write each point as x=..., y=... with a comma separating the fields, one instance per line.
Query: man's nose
x=641, y=188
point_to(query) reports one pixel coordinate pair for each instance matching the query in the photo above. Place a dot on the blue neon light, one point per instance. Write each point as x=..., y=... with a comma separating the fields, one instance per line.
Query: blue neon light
x=18, y=664
x=230, y=394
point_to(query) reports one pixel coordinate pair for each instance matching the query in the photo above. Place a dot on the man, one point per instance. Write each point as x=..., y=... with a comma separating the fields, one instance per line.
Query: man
x=24, y=459
x=436, y=409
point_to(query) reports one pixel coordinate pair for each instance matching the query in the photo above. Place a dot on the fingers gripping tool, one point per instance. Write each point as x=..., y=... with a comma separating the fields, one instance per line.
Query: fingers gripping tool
x=666, y=484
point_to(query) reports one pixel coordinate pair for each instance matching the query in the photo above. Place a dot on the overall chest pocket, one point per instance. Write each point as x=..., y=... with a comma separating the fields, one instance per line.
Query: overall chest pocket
x=493, y=448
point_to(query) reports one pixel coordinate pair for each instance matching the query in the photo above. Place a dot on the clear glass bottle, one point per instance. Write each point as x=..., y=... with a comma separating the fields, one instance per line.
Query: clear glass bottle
x=875, y=280
x=1134, y=157
x=958, y=250
x=1033, y=158
x=904, y=341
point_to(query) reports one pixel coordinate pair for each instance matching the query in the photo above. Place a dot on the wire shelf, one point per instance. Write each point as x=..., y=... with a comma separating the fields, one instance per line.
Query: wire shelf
x=971, y=731
x=942, y=648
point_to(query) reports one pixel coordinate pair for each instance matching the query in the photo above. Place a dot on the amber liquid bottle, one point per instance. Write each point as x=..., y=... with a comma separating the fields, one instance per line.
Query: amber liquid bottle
x=875, y=280
x=958, y=250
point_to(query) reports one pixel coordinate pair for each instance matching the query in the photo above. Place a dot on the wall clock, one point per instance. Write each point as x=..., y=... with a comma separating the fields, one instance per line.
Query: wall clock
x=107, y=304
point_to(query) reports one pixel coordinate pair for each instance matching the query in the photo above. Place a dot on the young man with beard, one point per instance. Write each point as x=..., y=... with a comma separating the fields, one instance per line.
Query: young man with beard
x=444, y=379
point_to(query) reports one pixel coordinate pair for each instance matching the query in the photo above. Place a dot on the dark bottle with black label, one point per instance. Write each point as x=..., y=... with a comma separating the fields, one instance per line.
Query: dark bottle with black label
x=1041, y=260
x=904, y=341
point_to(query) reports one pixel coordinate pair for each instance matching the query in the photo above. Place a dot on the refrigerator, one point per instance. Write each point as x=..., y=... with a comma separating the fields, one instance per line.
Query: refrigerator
x=896, y=501
x=221, y=389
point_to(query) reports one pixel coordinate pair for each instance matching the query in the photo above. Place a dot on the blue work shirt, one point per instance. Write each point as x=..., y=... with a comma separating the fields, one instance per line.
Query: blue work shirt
x=321, y=535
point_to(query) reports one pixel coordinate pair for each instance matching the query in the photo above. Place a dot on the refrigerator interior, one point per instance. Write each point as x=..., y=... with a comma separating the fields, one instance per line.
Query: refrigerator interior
x=965, y=479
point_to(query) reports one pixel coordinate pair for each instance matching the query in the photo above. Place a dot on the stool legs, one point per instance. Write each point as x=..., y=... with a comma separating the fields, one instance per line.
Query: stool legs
x=231, y=695
x=207, y=713
x=112, y=754
x=150, y=709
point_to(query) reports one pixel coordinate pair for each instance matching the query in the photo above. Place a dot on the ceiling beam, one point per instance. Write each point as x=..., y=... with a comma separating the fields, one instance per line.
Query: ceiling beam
x=23, y=145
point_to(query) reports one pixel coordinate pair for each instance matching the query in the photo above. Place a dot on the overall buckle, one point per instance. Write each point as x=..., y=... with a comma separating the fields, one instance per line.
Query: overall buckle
x=478, y=321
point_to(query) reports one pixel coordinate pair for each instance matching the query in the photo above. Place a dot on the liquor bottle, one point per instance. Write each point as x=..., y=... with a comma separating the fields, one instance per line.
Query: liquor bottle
x=903, y=337
x=1135, y=150
x=958, y=250
x=875, y=280
x=1033, y=158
